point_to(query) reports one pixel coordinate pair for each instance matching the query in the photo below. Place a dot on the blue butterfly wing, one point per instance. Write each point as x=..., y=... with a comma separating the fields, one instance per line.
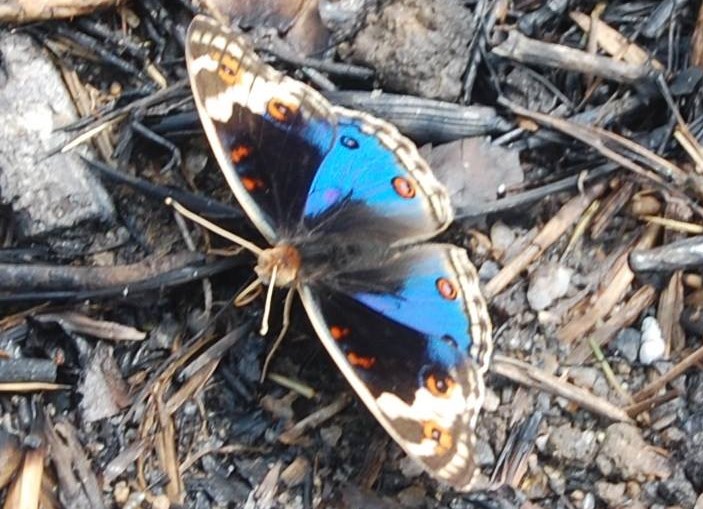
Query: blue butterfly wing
x=413, y=337
x=374, y=180
x=296, y=164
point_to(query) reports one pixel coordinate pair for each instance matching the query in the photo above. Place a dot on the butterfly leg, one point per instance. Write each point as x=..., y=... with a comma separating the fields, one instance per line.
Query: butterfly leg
x=247, y=296
x=287, y=307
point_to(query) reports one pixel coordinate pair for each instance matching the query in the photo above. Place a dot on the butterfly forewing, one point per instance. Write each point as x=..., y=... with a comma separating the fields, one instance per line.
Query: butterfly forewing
x=295, y=162
x=269, y=132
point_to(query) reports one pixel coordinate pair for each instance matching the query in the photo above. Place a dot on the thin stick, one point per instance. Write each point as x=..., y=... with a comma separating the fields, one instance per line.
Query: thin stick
x=213, y=227
x=269, y=298
x=287, y=306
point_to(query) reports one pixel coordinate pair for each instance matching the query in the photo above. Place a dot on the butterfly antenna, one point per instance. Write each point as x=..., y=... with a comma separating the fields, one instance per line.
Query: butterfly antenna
x=284, y=329
x=269, y=299
x=236, y=239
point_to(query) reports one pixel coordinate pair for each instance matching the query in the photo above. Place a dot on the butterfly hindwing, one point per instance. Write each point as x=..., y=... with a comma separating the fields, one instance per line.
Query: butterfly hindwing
x=412, y=336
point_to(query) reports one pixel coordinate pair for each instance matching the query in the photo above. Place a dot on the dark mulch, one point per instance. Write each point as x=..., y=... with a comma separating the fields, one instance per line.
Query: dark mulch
x=569, y=138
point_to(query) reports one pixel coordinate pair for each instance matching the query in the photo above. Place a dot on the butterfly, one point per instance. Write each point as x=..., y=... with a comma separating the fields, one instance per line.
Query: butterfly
x=347, y=205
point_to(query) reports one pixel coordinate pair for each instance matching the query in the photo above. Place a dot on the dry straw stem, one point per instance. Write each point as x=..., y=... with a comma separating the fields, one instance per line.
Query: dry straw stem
x=609, y=208
x=653, y=387
x=552, y=231
x=625, y=316
x=619, y=149
x=697, y=41
x=635, y=409
x=531, y=51
x=614, y=43
x=669, y=313
x=25, y=491
x=615, y=285
x=85, y=105
x=72, y=321
x=675, y=225
x=313, y=420
x=23, y=11
x=526, y=374
x=77, y=482
x=167, y=453
x=32, y=387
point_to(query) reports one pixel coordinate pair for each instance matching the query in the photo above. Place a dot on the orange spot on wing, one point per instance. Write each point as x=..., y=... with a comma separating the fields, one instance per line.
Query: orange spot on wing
x=252, y=184
x=229, y=69
x=281, y=111
x=446, y=288
x=443, y=438
x=360, y=361
x=403, y=187
x=338, y=333
x=239, y=153
x=439, y=385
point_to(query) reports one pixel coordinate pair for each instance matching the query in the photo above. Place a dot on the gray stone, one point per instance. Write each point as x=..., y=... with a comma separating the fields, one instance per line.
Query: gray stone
x=47, y=194
x=693, y=464
x=502, y=236
x=573, y=445
x=488, y=270
x=694, y=389
x=548, y=283
x=677, y=490
x=627, y=344
x=612, y=494
x=624, y=454
x=418, y=47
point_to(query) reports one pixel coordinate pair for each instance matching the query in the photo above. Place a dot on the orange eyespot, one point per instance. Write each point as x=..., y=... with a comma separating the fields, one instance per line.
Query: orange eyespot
x=280, y=111
x=446, y=288
x=439, y=385
x=252, y=184
x=338, y=333
x=442, y=437
x=403, y=187
x=240, y=153
x=360, y=361
x=229, y=69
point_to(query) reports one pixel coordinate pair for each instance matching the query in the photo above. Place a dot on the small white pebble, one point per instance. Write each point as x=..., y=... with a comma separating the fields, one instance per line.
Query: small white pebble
x=547, y=284
x=653, y=345
x=502, y=236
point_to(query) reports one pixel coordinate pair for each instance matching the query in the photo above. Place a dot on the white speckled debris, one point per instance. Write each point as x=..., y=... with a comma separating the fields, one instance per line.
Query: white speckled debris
x=653, y=345
x=47, y=194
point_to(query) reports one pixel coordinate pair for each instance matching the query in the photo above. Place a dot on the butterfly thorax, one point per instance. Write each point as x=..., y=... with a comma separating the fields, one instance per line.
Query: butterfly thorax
x=285, y=259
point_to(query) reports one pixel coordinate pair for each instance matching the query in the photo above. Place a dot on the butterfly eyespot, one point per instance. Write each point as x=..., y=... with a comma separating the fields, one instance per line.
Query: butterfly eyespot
x=349, y=142
x=442, y=437
x=280, y=111
x=360, y=361
x=446, y=288
x=253, y=184
x=439, y=385
x=228, y=70
x=239, y=153
x=403, y=187
x=338, y=333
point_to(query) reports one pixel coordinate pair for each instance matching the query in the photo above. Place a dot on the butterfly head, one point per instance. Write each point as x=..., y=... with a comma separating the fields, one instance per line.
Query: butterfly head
x=285, y=259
